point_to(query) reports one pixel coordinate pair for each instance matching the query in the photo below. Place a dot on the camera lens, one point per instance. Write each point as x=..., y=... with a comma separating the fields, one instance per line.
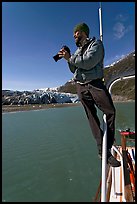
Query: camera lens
x=56, y=57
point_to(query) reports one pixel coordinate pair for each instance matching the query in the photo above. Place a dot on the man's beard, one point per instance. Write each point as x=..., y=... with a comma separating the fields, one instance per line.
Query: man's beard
x=77, y=41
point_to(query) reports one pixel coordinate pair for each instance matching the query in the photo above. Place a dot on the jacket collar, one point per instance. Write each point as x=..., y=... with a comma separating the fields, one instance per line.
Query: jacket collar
x=87, y=41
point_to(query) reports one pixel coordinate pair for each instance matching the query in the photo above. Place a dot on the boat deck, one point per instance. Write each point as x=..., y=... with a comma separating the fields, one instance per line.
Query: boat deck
x=119, y=186
x=120, y=181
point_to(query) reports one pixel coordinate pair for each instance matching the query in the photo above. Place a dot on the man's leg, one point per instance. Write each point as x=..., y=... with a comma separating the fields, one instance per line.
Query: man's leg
x=104, y=102
x=88, y=99
x=91, y=112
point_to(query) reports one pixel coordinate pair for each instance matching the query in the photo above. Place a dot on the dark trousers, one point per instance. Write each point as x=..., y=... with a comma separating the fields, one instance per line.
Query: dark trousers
x=96, y=93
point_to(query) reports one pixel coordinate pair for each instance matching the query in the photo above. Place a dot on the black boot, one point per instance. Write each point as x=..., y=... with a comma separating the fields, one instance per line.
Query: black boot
x=110, y=159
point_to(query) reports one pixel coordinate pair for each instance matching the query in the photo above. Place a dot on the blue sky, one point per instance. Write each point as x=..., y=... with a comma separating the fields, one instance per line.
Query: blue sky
x=33, y=32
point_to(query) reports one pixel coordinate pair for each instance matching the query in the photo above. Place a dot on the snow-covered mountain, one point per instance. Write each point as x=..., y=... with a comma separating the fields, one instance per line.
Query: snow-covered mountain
x=120, y=59
x=53, y=89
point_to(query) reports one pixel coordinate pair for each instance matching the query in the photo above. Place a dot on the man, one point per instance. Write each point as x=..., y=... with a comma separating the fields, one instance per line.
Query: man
x=87, y=65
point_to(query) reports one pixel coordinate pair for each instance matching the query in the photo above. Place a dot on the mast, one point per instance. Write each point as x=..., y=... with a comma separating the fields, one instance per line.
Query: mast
x=104, y=145
x=100, y=20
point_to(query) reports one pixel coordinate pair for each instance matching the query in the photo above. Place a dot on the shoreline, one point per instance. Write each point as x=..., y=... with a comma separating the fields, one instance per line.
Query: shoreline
x=18, y=108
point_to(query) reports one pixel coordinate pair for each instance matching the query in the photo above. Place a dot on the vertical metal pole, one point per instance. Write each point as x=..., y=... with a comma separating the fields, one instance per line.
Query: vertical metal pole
x=104, y=161
x=100, y=20
x=104, y=145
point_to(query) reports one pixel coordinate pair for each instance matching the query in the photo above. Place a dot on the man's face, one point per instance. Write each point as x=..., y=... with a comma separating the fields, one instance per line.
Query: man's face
x=78, y=37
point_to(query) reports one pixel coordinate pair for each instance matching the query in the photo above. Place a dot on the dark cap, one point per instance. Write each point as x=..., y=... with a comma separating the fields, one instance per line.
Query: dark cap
x=82, y=27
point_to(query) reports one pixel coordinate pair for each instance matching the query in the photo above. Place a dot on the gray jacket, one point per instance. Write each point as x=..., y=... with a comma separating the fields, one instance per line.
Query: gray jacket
x=87, y=62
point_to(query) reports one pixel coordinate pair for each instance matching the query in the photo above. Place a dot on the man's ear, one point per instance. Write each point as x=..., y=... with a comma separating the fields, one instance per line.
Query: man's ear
x=84, y=34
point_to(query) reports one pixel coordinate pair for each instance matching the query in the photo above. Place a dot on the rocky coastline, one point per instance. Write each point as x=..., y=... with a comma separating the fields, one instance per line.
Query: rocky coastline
x=30, y=107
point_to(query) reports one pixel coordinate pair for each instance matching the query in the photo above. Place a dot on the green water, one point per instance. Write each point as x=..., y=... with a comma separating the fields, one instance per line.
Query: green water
x=51, y=155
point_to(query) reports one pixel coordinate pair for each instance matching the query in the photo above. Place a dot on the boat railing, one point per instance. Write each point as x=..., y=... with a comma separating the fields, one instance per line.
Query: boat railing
x=104, y=145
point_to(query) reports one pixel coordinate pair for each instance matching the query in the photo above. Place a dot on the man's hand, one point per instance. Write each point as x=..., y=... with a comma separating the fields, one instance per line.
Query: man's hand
x=63, y=53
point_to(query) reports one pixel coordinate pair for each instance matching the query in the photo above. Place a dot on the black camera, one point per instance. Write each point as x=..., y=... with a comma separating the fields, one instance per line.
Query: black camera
x=56, y=57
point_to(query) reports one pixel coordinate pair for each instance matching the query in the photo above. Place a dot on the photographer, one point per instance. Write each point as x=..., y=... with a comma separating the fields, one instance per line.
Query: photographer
x=87, y=65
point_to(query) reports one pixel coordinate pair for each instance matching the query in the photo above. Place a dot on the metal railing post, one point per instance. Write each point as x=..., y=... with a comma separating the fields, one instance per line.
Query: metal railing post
x=104, y=161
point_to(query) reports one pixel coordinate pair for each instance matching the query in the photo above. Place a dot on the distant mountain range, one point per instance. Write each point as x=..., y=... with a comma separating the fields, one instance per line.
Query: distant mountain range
x=123, y=90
